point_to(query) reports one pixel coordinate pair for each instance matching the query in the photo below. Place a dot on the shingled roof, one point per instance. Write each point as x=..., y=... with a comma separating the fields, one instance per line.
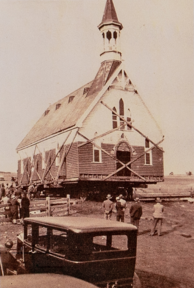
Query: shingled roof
x=65, y=113
x=110, y=15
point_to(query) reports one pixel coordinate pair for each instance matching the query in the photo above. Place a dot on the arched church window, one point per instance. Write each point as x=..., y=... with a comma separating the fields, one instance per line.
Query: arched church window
x=121, y=107
x=129, y=120
x=114, y=119
x=115, y=35
x=121, y=111
x=109, y=35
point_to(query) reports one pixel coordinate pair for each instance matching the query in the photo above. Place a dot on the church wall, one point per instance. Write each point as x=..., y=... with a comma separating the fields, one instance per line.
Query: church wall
x=72, y=162
x=87, y=164
x=101, y=118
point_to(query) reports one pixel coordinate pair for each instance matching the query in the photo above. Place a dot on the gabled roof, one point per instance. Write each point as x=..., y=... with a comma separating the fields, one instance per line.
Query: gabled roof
x=110, y=15
x=65, y=113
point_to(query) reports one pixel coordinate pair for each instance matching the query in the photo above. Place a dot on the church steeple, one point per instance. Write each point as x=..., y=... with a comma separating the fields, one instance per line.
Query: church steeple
x=110, y=28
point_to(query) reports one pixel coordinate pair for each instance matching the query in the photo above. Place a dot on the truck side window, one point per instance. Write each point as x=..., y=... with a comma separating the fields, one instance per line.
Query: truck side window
x=58, y=242
x=41, y=237
x=28, y=233
x=120, y=242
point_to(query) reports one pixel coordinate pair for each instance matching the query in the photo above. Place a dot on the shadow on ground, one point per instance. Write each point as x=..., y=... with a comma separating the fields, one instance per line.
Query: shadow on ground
x=151, y=280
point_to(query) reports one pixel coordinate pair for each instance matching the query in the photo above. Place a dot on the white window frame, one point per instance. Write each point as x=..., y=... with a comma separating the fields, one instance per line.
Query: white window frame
x=147, y=145
x=151, y=159
x=100, y=155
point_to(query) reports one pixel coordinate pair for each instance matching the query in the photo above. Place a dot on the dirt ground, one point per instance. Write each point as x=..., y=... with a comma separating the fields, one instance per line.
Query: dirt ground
x=166, y=261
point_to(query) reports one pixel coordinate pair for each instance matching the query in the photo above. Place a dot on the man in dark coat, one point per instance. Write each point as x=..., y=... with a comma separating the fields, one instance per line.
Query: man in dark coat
x=25, y=203
x=14, y=208
x=108, y=207
x=136, y=212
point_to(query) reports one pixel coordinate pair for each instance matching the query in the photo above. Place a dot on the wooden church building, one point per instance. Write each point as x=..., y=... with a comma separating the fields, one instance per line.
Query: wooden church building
x=99, y=138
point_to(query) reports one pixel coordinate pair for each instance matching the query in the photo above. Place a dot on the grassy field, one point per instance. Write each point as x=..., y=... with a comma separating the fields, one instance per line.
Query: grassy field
x=182, y=183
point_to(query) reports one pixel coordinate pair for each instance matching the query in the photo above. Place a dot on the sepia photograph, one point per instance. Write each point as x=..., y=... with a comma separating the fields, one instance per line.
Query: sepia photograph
x=97, y=143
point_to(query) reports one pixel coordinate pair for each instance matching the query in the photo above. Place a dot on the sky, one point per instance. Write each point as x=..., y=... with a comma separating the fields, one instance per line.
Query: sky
x=49, y=48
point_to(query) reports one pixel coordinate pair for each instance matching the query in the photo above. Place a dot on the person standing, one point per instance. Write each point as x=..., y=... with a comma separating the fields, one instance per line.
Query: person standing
x=7, y=191
x=120, y=210
x=135, y=212
x=108, y=207
x=6, y=200
x=30, y=191
x=2, y=191
x=158, y=216
x=123, y=201
x=25, y=206
x=14, y=208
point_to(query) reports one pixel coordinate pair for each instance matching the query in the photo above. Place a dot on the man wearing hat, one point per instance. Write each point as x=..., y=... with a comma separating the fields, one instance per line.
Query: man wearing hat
x=135, y=212
x=107, y=205
x=157, y=215
x=122, y=200
x=120, y=207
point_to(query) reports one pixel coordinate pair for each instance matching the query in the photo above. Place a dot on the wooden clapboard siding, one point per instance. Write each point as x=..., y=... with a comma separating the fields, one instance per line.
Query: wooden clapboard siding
x=108, y=165
x=86, y=164
x=72, y=161
x=156, y=169
x=62, y=173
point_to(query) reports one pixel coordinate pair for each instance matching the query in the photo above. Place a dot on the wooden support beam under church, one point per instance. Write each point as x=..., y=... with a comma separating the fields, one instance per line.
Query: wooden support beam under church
x=65, y=154
x=56, y=156
x=25, y=170
x=47, y=161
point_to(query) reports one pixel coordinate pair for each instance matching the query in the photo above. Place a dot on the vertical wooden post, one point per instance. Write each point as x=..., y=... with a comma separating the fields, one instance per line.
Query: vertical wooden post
x=1, y=264
x=48, y=204
x=68, y=204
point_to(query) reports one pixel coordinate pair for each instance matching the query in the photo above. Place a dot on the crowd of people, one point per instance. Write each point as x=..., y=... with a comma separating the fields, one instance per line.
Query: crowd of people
x=135, y=211
x=17, y=200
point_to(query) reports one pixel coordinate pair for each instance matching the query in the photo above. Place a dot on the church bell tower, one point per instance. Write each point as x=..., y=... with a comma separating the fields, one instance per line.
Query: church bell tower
x=110, y=28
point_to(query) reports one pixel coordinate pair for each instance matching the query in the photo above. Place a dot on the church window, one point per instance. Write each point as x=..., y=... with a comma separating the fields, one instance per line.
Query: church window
x=115, y=35
x=121, y=111
x=128, y=126
x=86, y=90
x=37, y=166
x=114, y=119
x=70, y=99
x=46, y=112
x=109, y=35
x=147, y=143
x=148, y=155
x=96, y=155
x=147, y=159
x=58, y=105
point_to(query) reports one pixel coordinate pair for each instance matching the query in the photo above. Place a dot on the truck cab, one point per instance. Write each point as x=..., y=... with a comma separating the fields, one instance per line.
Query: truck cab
x=95, y=250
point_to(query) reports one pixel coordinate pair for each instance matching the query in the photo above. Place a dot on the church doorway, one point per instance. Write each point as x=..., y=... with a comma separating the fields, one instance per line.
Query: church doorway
x=124, y=155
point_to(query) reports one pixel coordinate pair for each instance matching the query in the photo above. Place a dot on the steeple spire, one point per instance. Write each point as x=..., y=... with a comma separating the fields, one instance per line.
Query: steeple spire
x=110, y=15
x=110, y=28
